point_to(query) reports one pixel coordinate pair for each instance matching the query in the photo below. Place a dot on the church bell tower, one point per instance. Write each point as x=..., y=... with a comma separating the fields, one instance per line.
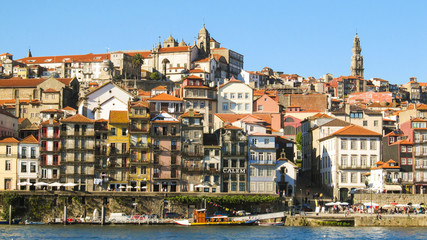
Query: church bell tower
x=357, y=59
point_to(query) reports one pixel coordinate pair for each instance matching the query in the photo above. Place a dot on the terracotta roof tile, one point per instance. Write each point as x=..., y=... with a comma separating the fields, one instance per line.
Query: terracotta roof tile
x=21, y=82
x=9, y=140
x=232, y=80
x=69, y=108
x=160, y=88
x=175, y=49
x=66, y=58
x=20, y=120
x=119, y=117
x=165, y=97
x=29, y=139
x=52, y=111
x=354, y=130
x=196, y=71
x=77, y=118
x=195, y=114
x=48, y=123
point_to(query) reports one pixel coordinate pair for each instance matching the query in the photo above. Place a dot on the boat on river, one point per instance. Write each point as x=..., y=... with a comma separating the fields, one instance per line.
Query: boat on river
x=271, y=224
x=200, y=219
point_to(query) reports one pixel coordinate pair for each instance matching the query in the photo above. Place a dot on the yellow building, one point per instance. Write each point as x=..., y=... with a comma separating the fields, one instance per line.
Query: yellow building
x=118, y=151
x=8, y=163
x=140, y=142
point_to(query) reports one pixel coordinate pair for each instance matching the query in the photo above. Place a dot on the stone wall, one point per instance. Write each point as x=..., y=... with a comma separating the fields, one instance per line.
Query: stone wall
x=383, y=199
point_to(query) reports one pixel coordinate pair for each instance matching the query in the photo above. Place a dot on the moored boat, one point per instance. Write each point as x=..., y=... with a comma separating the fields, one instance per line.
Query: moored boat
x=271, y=224
x=200, y=219
x=33, y=223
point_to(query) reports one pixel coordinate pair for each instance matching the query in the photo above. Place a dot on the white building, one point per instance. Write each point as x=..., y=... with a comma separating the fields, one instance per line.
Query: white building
x=262, y=163
x=253, y=78
x=385, y=177
x=28, y=161
x=286, y=176
x=98, y=103
x=235, y=96
x=345, y=156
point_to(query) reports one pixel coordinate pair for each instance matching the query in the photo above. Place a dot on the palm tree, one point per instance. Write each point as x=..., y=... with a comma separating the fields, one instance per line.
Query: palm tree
x=137, y=61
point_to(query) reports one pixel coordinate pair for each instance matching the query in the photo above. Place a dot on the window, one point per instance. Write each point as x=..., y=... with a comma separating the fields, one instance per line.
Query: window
x=409, y=149
x=409, y=161
x=269, y=172
x=343, y=161
x=33, y=152
x=365, y=123
x=353, y=145
x=240, y=95
x=234, y=163
x=195, y=104
x=225, y=106
x=373, y=144
x=376, y=123
x=260, y=172
x=202, y=104
x=344, y=144
x=8, y=150
x=246, y=106
x=242, y=163
x=232, y=95
x=143, y=170
x=239, y=106
x=124, y=131
x=252, y=172
x=234, y=186
x=344, y=177
x=259, y=107
x=353, y=160
x=353, y=177
x=362, y=144
x=373, y=160
x=173, y=144
x=225, y=95
x=8, y=164
x=23, y=167
x=403, y=161
x=113, y=131
x=246, y=95
x=356, y=115
x=403, y=149
x=242, y=187
x=232, y=106
x=363, y=160
x=32, y=167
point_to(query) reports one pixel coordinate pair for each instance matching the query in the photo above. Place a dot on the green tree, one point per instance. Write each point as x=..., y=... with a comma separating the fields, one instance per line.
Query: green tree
x=137, y=60
x=299, y=141
x=155, y=76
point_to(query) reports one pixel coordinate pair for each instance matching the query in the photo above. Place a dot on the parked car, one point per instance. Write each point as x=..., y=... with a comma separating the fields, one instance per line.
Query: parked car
x=172, y=215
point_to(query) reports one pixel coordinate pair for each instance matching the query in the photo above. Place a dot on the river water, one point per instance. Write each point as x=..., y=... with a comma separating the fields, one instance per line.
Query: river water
x=212, y=232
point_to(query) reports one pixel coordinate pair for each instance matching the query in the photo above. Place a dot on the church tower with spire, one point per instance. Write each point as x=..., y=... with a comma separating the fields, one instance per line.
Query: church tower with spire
x=203, y=42
x=357, y=59
x=29, y=53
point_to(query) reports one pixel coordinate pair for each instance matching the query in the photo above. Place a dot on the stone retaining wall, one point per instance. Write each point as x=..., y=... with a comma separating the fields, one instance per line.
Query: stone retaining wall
x=383, y=199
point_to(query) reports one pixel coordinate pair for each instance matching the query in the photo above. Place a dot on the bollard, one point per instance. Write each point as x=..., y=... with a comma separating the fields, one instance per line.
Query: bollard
x=103, y=215
x=10, y=214
x=65, y=214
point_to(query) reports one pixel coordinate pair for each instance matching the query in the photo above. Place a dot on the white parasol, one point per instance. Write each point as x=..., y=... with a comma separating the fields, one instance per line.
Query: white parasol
x=40, y=184
x=69, y=184
x=55, y=184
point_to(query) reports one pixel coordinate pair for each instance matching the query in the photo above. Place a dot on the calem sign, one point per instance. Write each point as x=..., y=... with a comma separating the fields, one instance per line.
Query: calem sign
x=234, y=170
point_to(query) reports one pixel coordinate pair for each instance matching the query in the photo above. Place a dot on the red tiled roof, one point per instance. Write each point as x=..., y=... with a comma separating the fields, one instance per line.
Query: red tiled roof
x=144, y=93
x=160, y=88
x=231, y=127
x=193, y=77
x=354, y=130
x=47, y=122
x=232, y=80
x=29, y=139
x=203, y=60
x=140, y=104
x=197, y=70
x=9, y=140
x=20, y=120
x=231, y=117
x=119, y=117
x=165, y=97
x=21, y=82
x=67, y=58
x=195, y=114
x=69, y=108
x=175, y=49
x=52, y=111
x=78, y=118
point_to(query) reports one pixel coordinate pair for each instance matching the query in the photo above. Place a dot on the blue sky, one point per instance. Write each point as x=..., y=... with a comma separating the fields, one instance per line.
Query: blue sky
x=309, y=38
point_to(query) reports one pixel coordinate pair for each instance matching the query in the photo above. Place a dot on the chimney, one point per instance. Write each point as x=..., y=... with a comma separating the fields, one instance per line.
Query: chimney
x=347, y=108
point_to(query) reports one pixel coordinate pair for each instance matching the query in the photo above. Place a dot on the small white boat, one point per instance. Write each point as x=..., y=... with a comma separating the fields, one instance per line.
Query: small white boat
x=33, y=223
x=271, y=224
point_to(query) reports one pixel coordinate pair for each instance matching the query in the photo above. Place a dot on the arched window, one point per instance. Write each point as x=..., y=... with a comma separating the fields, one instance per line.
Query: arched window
x=290, y=130
x=289, y=119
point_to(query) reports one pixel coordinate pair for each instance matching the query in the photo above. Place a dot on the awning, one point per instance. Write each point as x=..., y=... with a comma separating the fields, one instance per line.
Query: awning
x=393, y=187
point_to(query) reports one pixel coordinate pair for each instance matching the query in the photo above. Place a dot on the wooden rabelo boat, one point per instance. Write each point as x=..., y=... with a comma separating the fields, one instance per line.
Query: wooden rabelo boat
x=200, y=219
